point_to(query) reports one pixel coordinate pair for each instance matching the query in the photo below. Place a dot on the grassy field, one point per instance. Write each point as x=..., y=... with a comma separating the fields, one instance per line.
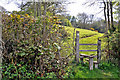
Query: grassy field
x=105, y=71
x=86, y=36
x=82, y=71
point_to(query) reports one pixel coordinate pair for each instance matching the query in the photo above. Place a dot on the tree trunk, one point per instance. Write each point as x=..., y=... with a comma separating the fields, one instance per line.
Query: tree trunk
x=108, y=23
x=34, y=9
x=111, y=11
x=45, y=5
x=108, y=26
x=37, y=6
x=40, y=8
x=44, y=24
x=105, y=15
x=119, y=42
x=0, y=45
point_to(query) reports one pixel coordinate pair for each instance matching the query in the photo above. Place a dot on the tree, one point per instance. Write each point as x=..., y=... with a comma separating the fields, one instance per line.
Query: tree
x=91, y=18
x=73, y=21
x=83, y=18
x=98, y=25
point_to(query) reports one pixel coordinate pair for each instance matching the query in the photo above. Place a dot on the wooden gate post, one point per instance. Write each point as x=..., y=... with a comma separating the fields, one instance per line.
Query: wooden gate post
x=99, y=51
x=77, y=47
x=91, y=63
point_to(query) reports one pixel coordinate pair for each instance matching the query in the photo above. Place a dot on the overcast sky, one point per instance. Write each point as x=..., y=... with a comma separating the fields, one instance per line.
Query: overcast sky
x=73, y=9
x=78, y=7
x=9, y=6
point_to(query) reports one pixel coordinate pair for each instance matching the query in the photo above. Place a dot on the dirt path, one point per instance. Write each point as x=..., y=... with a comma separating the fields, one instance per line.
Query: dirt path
x=87, y=36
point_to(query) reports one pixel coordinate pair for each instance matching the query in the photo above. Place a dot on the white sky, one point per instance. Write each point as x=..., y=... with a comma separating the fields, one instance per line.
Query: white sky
x=78, y=7
x=9, y=7
x=73, y=9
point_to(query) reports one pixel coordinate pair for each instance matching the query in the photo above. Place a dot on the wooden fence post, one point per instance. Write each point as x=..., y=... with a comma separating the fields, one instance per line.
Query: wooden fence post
x=77, y=47
x=99, y=51
x=91, y=63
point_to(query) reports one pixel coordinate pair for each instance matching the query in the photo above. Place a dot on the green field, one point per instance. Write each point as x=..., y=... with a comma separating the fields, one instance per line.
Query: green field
x=86, y=36
x=82, y=71
x=104, y=72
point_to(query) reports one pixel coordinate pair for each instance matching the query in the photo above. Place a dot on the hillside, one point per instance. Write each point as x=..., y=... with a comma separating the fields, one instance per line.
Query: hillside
x=86, y=36
x=82, y=71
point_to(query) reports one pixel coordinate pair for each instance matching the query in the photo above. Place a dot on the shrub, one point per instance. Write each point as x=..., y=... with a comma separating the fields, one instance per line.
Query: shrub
x=30, y=47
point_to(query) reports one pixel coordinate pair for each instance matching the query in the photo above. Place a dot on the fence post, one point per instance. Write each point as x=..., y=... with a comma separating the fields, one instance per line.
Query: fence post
x=91, y=63
x=99, y=51
x=77, y=47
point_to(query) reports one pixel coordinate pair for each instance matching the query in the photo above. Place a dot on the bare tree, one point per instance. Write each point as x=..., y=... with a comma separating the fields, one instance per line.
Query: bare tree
x=83, y=18
x=105, y=14
x=111, y=12
x=108, y=18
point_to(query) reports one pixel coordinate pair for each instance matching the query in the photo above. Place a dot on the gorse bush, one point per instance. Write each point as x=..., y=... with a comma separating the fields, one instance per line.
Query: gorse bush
x=31, y=46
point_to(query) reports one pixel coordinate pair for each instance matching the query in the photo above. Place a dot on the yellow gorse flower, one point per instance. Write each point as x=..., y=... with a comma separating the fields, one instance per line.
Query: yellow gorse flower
x=11, y=15
x=18, y=16
x=27, y=15
x=92, y=28
x=22, y=19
